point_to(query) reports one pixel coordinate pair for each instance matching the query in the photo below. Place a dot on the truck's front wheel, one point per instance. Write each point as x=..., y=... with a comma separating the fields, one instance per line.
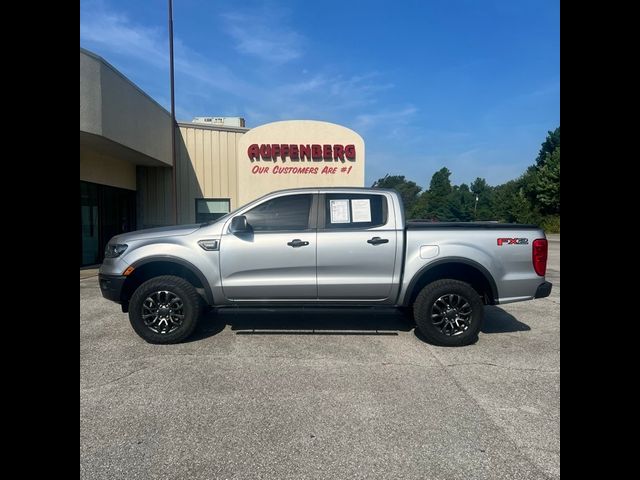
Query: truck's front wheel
x=164, y=309
x=449, y=312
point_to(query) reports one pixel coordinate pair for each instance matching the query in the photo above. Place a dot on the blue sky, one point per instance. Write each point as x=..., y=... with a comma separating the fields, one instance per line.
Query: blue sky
x=467, y=84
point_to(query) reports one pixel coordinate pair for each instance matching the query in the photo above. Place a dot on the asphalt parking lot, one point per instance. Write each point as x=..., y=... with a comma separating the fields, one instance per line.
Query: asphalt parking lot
x=317, y=394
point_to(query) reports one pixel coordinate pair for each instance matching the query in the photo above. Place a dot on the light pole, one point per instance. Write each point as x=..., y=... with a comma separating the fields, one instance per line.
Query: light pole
x=173, y=120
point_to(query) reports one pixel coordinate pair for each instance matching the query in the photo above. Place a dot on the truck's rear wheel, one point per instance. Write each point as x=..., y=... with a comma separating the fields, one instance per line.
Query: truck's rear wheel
x=165, y=309
x=449, y=312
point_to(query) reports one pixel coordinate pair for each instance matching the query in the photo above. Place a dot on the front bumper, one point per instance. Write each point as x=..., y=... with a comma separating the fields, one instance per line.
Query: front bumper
x=111, y=286
x=544, y=290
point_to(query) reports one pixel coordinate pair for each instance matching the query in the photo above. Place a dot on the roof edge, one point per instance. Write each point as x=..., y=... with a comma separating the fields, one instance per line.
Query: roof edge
x=123, y=76
x=223, y=128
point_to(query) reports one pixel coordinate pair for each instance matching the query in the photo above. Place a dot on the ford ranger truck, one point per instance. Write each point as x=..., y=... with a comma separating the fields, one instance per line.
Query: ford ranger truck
x=324, y=247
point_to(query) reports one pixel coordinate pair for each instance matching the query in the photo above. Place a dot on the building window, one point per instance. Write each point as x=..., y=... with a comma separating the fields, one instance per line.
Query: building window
x=208, y=209
x=104, y=212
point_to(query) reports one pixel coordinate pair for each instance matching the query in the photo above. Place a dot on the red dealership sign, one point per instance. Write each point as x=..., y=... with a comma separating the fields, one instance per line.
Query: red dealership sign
x=270, y=152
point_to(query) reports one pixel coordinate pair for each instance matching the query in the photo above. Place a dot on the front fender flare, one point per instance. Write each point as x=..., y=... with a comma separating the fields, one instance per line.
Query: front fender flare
x=184, y=263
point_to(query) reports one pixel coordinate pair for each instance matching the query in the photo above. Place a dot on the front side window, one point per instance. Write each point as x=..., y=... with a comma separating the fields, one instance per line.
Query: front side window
x=290, y=213
x=354, y=210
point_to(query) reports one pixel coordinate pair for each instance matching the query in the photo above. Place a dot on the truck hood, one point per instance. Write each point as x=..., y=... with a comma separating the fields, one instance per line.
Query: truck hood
x=148, y=233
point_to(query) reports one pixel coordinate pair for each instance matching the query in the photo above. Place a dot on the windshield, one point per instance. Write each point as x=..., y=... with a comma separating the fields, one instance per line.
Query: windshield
x=220, y=219
x=233, y=212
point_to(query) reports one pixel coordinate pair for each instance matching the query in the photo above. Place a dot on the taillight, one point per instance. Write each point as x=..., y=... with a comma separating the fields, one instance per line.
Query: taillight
x=540, y=256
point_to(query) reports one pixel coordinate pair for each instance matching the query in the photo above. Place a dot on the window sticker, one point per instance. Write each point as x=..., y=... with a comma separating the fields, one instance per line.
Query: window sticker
x=339, y=211
x=361, y=210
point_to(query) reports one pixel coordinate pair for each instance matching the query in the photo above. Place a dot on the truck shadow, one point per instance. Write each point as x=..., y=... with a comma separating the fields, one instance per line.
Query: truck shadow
x=332, y=321
x=304, y=321
x=496, y=320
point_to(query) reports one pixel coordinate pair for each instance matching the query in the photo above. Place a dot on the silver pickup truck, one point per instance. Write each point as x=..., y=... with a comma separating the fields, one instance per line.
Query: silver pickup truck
x=324, y=247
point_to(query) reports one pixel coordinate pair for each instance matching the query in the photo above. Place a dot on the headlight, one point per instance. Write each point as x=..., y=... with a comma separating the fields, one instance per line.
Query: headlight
x=113, y=250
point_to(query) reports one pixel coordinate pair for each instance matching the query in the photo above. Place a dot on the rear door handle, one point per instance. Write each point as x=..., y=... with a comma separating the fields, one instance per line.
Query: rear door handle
x=377, y=240
x=297, y=243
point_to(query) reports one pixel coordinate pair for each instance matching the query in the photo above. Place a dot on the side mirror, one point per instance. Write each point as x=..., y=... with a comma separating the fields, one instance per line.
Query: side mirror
x=239, y=224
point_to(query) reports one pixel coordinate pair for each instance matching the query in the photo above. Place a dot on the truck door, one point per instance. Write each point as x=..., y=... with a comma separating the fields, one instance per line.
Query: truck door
x=357, y=241
x=277, y=259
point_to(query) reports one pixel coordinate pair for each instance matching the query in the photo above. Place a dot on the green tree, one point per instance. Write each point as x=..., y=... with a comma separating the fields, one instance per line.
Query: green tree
x=521, y=210
x=484, y=192
x=528, y=181
x=511, y=204
x=408, y=190
x=502, y=200
x=547, y=185
x=541, y=182
x=548, y=146
x=440, y=185
x=419, y=208
x=461, y=203
x=434, y=204
x=479, y=186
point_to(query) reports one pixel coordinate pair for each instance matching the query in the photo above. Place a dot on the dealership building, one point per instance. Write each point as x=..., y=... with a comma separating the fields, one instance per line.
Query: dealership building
x=126, y=166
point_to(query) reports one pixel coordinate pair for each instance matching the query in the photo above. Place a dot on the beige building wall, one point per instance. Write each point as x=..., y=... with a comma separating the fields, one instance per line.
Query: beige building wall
x=253, y=184
x=154, y=207
x=106, y=170
x=207, y=168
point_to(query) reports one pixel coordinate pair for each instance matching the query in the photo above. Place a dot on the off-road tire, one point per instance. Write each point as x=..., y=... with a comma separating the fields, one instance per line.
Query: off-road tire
x=192, y=308
x=423, y=311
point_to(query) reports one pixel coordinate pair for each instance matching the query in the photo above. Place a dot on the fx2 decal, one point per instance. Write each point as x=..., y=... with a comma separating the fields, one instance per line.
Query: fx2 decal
x=513, y=241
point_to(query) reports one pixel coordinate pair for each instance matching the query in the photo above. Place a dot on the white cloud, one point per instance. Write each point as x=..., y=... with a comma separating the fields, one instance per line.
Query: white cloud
x=388, y=118
x=264, y=35
x=114, y=31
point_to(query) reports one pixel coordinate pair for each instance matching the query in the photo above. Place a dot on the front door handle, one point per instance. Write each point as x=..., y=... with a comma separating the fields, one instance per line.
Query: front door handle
x=297, y=243
x=377, y=240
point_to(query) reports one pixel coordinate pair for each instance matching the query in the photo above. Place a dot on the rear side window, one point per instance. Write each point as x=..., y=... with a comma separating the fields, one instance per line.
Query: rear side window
x=282, y=213
x=354, y=210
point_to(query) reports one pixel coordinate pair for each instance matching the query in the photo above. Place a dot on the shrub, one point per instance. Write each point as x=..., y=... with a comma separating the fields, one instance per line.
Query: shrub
x=551, y=224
